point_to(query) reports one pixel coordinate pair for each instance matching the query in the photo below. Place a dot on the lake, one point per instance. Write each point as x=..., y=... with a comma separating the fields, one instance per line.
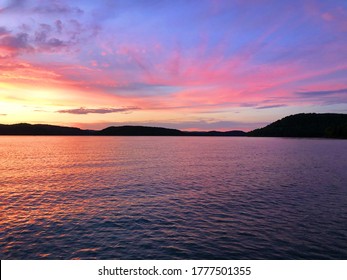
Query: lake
x=67, y=197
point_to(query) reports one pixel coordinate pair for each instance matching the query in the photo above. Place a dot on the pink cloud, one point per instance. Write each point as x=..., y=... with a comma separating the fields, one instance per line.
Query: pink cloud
x=85, y=111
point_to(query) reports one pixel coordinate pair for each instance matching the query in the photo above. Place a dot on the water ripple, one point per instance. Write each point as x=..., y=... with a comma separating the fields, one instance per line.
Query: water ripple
x=172, y=198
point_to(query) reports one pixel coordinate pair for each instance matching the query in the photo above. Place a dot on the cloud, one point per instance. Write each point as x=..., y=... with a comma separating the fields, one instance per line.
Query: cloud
x=59, y=26
x=3, y=115
x=49, y=35
x=271, y=106
x=45, y=37
x=3, y=31
x=51, y=7
x=54, y=42
x=57, y=8
x=321, y=92
x=85, y=111
x=13, y=5
x=15, y=42
x=42, y=40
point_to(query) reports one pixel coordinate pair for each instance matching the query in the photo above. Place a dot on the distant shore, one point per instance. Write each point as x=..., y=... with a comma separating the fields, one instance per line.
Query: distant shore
x=310, y=125
x=45, y=129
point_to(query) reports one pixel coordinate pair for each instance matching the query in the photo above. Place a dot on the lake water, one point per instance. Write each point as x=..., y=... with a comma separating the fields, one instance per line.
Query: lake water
x=172, y=198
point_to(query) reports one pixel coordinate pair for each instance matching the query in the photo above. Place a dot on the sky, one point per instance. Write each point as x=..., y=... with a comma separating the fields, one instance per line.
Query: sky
x=191, y=65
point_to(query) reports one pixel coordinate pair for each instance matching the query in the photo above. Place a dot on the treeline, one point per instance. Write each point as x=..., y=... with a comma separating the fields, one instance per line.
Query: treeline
x=306, y=125
x=45, y=129
x=300, y=125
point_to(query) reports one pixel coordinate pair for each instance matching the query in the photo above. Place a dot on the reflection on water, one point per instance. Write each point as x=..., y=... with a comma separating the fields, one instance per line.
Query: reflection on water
x=172, y=198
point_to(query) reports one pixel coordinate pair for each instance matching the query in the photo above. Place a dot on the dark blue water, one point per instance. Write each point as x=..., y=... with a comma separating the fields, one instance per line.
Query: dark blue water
x=172, y=198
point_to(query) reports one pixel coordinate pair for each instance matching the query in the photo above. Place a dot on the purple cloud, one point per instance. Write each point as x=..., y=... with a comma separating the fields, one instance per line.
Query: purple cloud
x=54, y=37
x=271, y=106
x=321, y=92
x=52, y=7
x=14, y=4
x=85, y=111
x=19, y=41
x=59, y=26
x=3, y=31
x=45, y=37
x=57, y=8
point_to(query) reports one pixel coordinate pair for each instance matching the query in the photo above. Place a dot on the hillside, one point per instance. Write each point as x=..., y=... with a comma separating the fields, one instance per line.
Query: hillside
x=40, y=129
x=300, y=125
x=139, y=131
x=45, y=129
x=306, y=125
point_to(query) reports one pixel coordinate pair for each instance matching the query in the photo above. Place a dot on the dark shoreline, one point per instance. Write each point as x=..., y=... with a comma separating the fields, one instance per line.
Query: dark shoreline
x=331, y=126
x=47, y=130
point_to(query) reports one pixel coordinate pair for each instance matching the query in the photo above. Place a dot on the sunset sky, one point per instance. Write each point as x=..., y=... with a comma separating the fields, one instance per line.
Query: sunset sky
x=199, y=65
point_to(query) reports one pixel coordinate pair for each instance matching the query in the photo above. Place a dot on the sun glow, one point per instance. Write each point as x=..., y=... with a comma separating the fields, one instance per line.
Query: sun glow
x=217, y=68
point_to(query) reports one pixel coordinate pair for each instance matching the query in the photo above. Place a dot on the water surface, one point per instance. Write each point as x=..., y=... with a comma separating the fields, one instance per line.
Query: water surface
x=172, y=198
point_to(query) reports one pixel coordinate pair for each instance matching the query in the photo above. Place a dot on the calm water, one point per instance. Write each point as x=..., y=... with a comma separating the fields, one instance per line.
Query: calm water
x=172, y=198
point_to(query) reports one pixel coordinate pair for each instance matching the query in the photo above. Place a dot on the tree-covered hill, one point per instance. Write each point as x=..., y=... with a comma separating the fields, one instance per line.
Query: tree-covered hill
x=306, y=125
